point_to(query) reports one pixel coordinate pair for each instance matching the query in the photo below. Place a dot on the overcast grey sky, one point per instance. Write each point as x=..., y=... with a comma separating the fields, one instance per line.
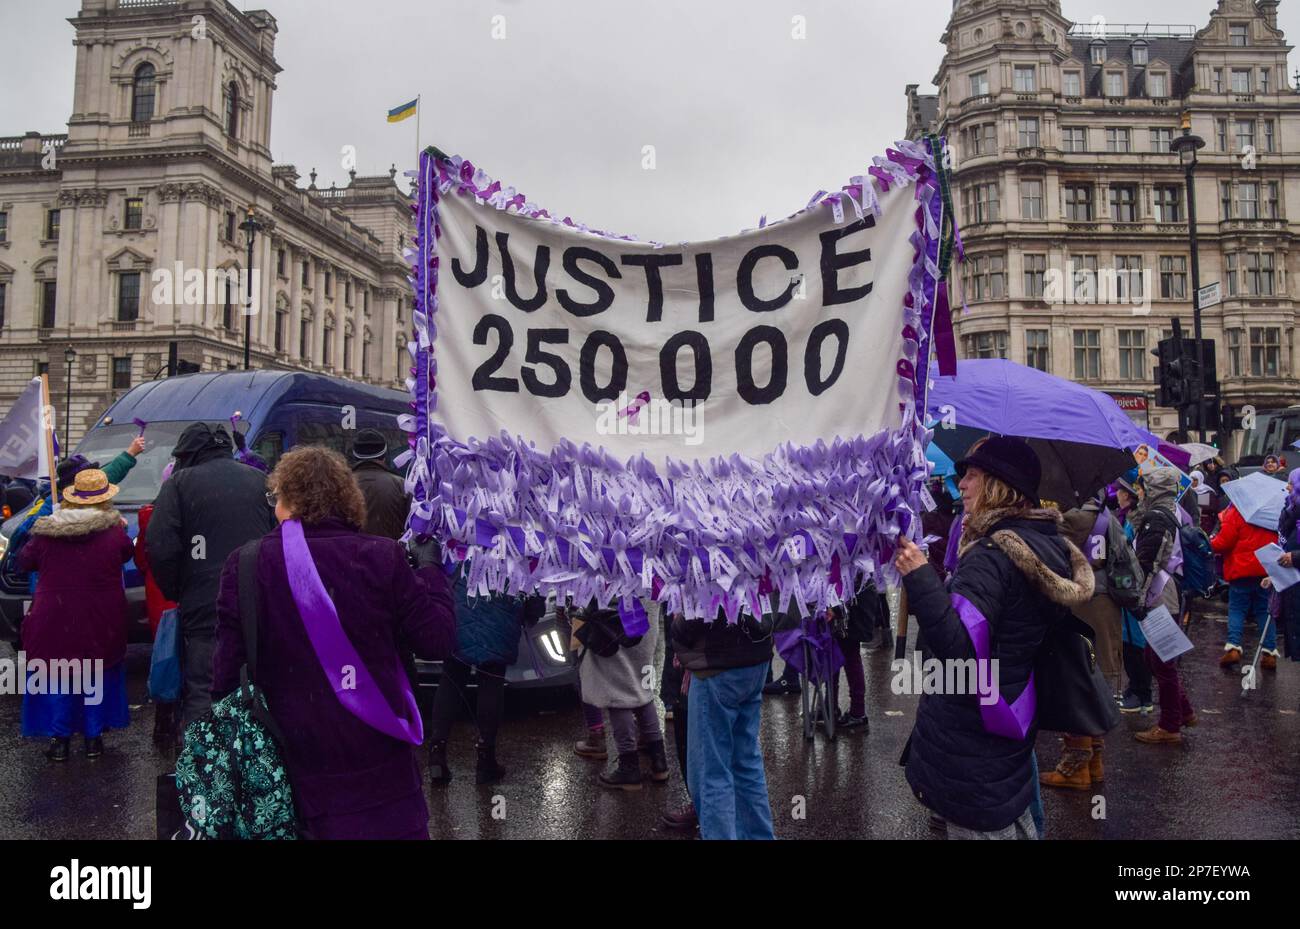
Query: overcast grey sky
x=744, y=118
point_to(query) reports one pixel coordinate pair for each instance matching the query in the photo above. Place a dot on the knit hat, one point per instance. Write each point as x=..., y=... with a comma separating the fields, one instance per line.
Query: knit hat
x=1009, y=459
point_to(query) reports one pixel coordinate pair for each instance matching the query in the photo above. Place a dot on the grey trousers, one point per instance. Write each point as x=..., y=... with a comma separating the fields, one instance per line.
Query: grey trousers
x=1022, y=828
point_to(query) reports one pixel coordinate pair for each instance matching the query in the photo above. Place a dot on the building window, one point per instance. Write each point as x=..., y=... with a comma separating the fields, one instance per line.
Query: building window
x=1115, y=84
x=1085, y=278
x=280, y=317
x=230, y=226
x=1161, y=140
x=1072, y=83
x=304, y=340
x=133, y=217
x=1098, y=53
x=1123, y=203
x=1031, y=199
x=979, y=84
x=128, y=296
x=1141, y=54
x=1074, y=139
x=1173, y=277
x=1248, y=200
x=1269, y=127
x=1259, y=274
x=1273, y=205
x=49, y=299
x=1225, y=199
x=232, y=110
x=1078, y=203
x=1158, y=85
x=347, y=292
x=327, y=350
x=1240, y=81
x=1133, y=354
x=1245, y=134
x=4, y=290
x=1035, y=276
x=984, y=139
x=1218, y=80
x=1221, y=134
x=1169, y=204
x=1029, y=132
x=306, y=273
x=365, y=300
x=982, y=203
x=1231, y=266
x=1119, y=140
x=228, y=308
x=329, y=283
x=1026, y=79
x=1128, y=277
x=4, y=227
x=281, y=264
x=985, y=278
x=1265, y=351
x=122, y=373
x=142, y=94
x=1037, y=350
x=347, y=352
x=1239, y=35
x=365, y=358
x=985, y=345
x=1234, y=352
x=1264, y=75
x=52, y=220
x=1087, y=354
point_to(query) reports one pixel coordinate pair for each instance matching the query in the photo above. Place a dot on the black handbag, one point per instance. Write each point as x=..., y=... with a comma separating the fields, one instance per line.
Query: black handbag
x=1073, y=696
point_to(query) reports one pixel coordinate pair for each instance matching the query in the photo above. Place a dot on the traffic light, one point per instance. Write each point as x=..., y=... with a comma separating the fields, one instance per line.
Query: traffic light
x=1171, y=375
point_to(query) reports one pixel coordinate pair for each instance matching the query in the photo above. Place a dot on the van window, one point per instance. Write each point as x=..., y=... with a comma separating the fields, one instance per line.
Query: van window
x=269, y=447
x=140, y=486
x=333, y=435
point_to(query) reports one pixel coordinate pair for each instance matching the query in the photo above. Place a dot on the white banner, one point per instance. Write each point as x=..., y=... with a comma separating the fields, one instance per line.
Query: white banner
x=790, y=333
x=22, y=449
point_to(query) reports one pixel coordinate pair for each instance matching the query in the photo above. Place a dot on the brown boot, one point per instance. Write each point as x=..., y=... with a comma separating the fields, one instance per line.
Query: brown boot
x=1268, y=661
x=1157, y=736
x=1096, y=770
x=593, y=746
x=1231, y=656
x=1072, y=770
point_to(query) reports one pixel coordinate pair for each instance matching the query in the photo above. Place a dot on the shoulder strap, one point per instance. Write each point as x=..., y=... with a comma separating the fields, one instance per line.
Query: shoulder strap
x=248, y=603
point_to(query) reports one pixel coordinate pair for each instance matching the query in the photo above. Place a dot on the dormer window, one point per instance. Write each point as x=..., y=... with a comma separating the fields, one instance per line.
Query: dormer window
x=1098, y=53
x=1158, y=85
x=1140, y=54
x=1115, y=84
x=232, y=110
x=1239, y=35
x=142, y=94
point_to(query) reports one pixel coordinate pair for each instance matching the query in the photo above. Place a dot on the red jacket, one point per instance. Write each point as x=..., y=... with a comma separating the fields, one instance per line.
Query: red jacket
x=1237, y=541
x=155, y=604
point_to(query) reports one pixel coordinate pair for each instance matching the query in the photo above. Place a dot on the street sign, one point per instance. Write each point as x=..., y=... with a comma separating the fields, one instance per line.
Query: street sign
x=1209, y=295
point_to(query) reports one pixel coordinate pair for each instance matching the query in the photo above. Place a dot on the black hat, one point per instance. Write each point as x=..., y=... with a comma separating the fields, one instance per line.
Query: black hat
x=1009, y=459
x=69, y=468
x=369, y=444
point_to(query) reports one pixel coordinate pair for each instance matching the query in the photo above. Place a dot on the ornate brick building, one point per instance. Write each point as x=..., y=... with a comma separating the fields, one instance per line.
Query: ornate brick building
x=1060, y=137
x=112, y=236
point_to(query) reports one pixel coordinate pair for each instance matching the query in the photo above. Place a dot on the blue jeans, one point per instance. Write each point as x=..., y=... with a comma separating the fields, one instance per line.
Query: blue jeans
x=724, y=765
x=1036, y=805
x=1247, y=598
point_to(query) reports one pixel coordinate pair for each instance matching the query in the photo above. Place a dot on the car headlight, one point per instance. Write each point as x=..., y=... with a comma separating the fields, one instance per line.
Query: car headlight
x=4, y=545
x=553, y=645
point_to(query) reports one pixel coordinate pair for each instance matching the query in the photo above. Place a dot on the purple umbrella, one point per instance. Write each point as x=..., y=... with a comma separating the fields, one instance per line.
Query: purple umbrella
x=1081, y=435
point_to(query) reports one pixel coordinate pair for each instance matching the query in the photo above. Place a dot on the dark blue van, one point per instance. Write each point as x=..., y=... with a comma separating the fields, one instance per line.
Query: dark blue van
x=278, y=410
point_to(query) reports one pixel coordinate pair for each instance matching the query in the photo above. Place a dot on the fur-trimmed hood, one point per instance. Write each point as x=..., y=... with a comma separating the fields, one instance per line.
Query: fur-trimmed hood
x=76, y=522
x=1067, y=591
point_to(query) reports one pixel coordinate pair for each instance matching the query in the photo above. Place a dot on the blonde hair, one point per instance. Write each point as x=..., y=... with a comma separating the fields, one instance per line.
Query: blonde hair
x=997, y=494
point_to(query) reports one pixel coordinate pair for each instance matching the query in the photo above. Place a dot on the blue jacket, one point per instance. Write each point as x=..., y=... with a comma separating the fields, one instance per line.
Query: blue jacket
x=487, y=628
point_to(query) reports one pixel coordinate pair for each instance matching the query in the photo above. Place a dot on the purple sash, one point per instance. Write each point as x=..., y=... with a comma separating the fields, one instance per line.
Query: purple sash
x=1011, y=721
x=335, y=652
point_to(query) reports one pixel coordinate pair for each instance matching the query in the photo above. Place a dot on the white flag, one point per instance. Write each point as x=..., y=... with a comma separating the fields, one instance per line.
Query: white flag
x=22, y=448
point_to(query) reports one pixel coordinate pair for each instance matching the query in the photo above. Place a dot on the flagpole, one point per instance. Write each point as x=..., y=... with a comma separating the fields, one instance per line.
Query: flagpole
x=417, y=132
x=47, y=441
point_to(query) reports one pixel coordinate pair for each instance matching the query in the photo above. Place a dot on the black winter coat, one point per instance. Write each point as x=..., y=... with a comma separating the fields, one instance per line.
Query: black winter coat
x=957, y=769
x=719, y=645
x=224, y=503
x=387, y=504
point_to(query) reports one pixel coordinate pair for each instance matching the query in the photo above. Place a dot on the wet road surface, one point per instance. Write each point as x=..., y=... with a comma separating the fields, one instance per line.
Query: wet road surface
x=1237, y=775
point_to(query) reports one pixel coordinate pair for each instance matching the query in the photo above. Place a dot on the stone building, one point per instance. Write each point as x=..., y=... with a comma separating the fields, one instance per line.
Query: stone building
x=119, y=237
x=1073, y=207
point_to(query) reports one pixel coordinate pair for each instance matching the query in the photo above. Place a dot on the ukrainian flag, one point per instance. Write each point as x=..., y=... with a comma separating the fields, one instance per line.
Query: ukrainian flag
x=405, y=111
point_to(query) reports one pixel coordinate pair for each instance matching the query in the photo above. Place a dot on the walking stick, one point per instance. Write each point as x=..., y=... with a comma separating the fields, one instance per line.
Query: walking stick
x=900, y=639
x=1253, y=669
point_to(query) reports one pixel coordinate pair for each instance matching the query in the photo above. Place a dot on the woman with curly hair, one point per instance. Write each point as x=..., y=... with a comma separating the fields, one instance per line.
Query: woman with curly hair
x=333, y=605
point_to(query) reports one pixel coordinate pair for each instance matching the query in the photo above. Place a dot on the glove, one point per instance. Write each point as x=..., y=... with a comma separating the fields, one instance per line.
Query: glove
x=423, y=552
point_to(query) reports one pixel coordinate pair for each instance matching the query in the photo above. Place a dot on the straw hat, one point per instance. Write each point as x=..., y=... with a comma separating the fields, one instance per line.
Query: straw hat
x=91, y=487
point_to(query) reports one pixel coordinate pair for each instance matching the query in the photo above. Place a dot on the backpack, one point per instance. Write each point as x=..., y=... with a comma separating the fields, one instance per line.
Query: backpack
x=602, y=633
x=230, y=776
x=1124, y=576
x=1198, y=561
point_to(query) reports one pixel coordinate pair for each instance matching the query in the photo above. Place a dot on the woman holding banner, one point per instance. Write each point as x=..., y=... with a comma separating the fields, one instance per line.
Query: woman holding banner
x=968, y=760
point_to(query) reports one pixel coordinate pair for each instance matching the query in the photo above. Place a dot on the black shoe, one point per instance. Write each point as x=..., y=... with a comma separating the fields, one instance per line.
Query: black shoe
x=626, y=775
x=164, y=723
x=57, y=749
x=782, y=687
x=658, y=761
x=849, y=721
x=94, y=747
x=487, y=771
x=439, y=772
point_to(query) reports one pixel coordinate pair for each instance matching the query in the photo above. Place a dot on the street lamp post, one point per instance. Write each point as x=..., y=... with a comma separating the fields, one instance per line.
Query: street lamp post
x=1186, y=147
x=69, y=355
x=250, y=225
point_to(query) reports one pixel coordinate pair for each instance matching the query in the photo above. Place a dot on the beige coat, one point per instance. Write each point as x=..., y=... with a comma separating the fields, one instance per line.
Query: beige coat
x=1101, y=612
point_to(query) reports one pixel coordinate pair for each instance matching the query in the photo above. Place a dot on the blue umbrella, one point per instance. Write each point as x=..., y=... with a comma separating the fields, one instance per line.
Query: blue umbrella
x=1080, y=435
x=944, y=468
x=1258, y=498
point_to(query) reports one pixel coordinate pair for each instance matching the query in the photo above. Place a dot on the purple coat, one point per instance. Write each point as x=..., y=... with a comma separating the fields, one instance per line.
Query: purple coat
x=349, y=781
x=79, y=610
